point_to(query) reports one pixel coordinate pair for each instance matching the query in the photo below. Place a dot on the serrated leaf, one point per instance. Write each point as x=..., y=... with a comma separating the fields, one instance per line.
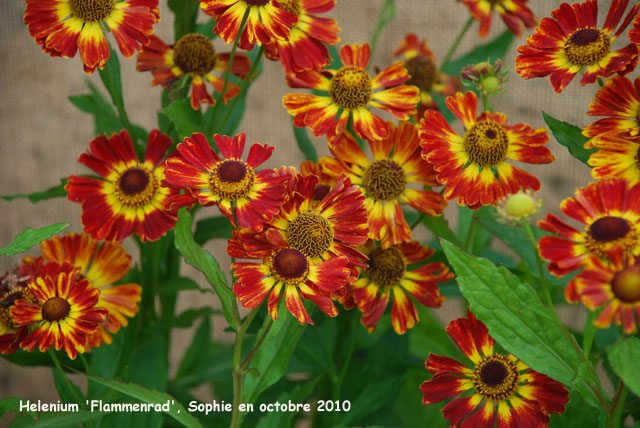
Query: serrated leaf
x=52, y=192
x=496, y=48
x=202, y=260
x=624, y=356
x=569, y=136
x=185, y=118
x=304, y=143
x=31, y=237
x=212, y=228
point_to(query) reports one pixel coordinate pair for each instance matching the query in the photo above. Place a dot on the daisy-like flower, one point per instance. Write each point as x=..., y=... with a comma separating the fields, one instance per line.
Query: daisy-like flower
x=523, y=397
x=619, y=102
x=615, y=285
x=515, y=14
x=618, y=156
x=102, y=265
x=193, y=55
x=306, y=47
x=350, y=90
x=610, y=212
x=64, y=313
x=62, y=27
x=285, y=271
x=386, y=179
x=231, y=183
x=388, y=273
x=266, y=22
x=473, y=166
x=130, y=198
x=571, y=41
x=420, y=63
x=325, y=181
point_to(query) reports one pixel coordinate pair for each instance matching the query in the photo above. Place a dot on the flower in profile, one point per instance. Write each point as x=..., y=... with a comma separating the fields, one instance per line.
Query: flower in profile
x=62, y=27
x=515, y=14
x=306, y=49
x=610, y=212
x=64, y=313
x=617, y=157
x=231, y=183
x=473, y=166
x=285, y=271
x=385, y=179
x=390, y=273
x=130, y=197
x=102, y=266
x=350, y=90
x=523, y=397
x=520, y=206
x=615, y=285
x=420, y=63
x=571, y=41
x=195, y=56
x=266, y=21
x=619, y=102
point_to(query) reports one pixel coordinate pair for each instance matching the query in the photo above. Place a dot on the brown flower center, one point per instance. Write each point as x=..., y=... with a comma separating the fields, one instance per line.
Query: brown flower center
x=136, y=186
x=55, y=309
x=350, y=88
x=256, y=2
x=625, y=285
x=231, y=171
x=310, y=233
x=423, y=72
x=9, y=299
x=386, y=267
x=610, y=232
x=290, y=264
x=587, y=46
x=486, y=143
x=232, y=179
x=320, y=192
x=92, y=10
x=194, y=53
x=291, y=6
x=384, y=180
x=496, y=377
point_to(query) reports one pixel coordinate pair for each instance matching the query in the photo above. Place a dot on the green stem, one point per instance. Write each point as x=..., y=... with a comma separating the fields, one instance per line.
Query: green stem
x=456, y=43
x=379, y=26
x=418, y=221
x=257, y=346
x=468, y=242
x=613, y=418
x=546, y=295
x=485, y=102
x=65, y=378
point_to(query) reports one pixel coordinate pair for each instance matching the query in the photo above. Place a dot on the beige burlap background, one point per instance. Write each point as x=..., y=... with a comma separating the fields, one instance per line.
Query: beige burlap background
x=42, y=134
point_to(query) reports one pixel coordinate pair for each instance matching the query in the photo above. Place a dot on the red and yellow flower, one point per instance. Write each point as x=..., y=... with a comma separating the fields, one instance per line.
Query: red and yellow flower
x=619, y=102
x=102, y=265
x=231, y=183
x=389, y=273
x=571, y=41
x=325, y=181
x=350, y=90
x=64, y=313
x=266, y=21
x=386, y=178
x=420, y=63
x=515, y=14
x=130, y=197
x=473, y=166
x=523, y=397
x=634, y=32
x=62, y=27
x=306, y=49
x=610, y=212
x=193, y=55
x=617, y=157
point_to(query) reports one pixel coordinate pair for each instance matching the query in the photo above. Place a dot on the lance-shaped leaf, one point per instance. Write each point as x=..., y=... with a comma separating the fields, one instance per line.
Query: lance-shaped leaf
x=31, y=237
x=569, y=136
x=624, y=357
x=52, y=192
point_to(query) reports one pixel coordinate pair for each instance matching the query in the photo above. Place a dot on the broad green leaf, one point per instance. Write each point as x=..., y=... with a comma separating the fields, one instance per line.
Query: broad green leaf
x=439, y=226
x=55, y=419
x=497, y=48
x=53, y=192
x=304, y=143
x=577, y=414
x=185, y=118
x=202, y=260
x=214, y=366
x=212, y=228
x=185, y=15
x=299, y=394
x=31, y=237
x=516, y=318
x=624, y=356
x=199, y=346
x=428, y=336
x=144, y=395
x=569, y=136
x=110, y=76
x=11, y=404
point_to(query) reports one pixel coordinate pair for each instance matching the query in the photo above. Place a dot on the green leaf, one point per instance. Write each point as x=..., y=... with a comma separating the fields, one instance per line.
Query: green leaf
x=110, y=76
x=212, y=228
x=439, y=226
x=11, y=404
x=304, y=143
x=53, y=192
x=569, y=136
x=408, y=405
x=497, y=48
x=186, y=13
x=624, y=356
x=144, y=395
x=185, y=118
x=31, y=237
x=55, y=419
x=66, y=396
x=428, y=336
x=202, y=260
x=299, y=394
x=577, y=414
x=370, y=398
x=198, y=348
x=179, y=284
x=188, y=317
x=516, y=318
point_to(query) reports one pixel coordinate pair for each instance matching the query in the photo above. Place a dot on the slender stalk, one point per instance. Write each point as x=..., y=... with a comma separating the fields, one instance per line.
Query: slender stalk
x=613, y=418
x=485, y=102
x=257, y=346
x=472, y=229
x=456, y=43
x=417, y=222
x=65, y=378
x=86, y=370
x=379, y=25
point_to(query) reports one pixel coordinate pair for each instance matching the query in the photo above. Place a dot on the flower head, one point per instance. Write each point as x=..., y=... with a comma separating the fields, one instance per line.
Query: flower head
x=62, y=27
x=619, y=102
x=515, y=14
x=523, y=397
x=571, y=41
x=232, y=183
x=349, y=91
x=473, y=166
x=618, y=156
x=130, y=197
x=192, y=55
x=484, y=77
x=325, y=181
